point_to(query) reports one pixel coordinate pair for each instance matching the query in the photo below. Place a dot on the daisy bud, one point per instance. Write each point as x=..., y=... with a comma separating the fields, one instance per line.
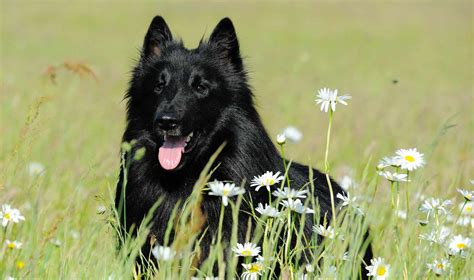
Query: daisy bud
x=281, y=139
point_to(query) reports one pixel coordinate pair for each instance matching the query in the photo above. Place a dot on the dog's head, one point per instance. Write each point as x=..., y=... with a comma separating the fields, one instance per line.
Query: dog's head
x=179, y=96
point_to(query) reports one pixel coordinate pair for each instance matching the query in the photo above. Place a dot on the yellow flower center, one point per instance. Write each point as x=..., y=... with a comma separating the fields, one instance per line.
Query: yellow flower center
x=468, y=208
x=246, y=253
x=225, y=192
x=255, y=267
x=270, y=181
x=410, y=158
x=7, y=216
x=461, y=246
x=20, y=265
x=440, y=266
x=381, y=271
x=11, y=245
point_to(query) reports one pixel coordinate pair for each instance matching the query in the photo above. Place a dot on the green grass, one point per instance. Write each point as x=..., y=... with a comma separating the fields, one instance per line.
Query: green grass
x=291, y=49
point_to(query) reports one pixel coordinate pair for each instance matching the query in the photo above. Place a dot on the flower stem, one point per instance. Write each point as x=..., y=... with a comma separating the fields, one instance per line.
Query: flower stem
x=326, y=169
x=268, y=225
x=221, y=219
x=407, y=193
x=283, y=155
x=398, y=195
x=288, y=238
x=220, y=255
x=287, y=179
x=391, y=194
x=460, y=212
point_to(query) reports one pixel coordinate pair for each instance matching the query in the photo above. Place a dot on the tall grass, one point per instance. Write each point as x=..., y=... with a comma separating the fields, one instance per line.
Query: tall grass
x=71, y=128
x=285, y=251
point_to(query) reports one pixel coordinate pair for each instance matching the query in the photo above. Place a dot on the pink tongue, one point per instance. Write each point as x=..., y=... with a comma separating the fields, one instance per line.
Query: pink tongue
x=169, y=154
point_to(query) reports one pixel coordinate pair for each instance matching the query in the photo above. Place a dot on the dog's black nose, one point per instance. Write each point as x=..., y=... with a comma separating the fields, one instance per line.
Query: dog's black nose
x=166, y=121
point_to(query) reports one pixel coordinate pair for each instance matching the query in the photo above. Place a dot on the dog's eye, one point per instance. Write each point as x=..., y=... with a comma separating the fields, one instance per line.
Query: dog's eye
x=201, y=89
x=159, y=88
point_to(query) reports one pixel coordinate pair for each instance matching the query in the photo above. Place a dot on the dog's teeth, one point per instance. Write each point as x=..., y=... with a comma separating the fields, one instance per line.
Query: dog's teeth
x=166, y=137
x=189, y=137
x=185, y=144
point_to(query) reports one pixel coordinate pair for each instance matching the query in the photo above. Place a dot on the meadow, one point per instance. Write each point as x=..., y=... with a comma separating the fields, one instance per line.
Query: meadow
x=408, y=67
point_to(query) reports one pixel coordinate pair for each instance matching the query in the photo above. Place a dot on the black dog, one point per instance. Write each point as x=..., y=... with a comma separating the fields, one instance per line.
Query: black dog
x=182, y=105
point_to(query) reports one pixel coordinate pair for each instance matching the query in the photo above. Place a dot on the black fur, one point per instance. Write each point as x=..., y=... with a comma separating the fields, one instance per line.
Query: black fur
x=205, y=90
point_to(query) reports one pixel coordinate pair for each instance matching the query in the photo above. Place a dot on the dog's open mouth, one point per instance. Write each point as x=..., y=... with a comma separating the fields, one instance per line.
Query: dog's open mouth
x=170, y=153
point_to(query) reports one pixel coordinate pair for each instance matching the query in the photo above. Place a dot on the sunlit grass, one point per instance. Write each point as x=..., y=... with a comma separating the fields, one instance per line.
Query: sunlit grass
x=73, y=128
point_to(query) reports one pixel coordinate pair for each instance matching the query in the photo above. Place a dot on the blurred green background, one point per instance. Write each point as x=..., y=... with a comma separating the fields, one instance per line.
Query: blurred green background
x=408, y=66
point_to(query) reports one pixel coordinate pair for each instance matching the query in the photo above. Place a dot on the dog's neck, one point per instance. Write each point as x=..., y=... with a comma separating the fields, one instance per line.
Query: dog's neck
x=249, y=155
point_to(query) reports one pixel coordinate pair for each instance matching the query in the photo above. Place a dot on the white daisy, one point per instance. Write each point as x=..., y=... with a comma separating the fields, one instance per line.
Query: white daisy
x=225, y=190
x=378, y=269
x=466, y=221
x=101, y=209
x=468, y=195
x=423, y=222
x=346, y=199
x=163, y=253
x=13, y=244
x=347, y=183
x=290, y=193
x=247, y=250
x=435, y=206
x=401, y=214
x=393, y=177
x=309, y=268
x=75, y=234
x=297, y=206
x=267, y=180
x=327, y=97
x=293, y=134
x=56, y=242
x=268, y=210
x=252, y=270
x=467, y=208
x=387, y=162
x=459, y=245
x=9, y=214
x=281, y=139
x=439, y=267
x=302, y=276
x=36, y=169
x=349, y=201
x=436, y=236
x=410, y=159
x=325, y=232
x=19, y=265
x=345, y=256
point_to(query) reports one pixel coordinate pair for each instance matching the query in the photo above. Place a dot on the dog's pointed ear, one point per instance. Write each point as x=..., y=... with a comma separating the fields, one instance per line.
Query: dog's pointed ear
x=225, y=38
x=157, y=36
